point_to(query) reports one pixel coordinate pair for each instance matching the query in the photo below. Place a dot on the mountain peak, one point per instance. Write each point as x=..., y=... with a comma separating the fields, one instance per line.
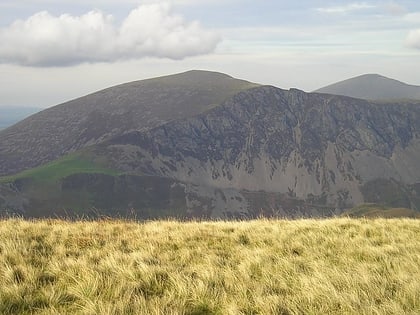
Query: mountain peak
x=371, y=75
x=193, y=78
x=198, y=72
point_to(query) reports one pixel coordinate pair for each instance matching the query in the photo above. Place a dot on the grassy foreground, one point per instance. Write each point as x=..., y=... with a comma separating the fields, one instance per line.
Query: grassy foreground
x=335, y=266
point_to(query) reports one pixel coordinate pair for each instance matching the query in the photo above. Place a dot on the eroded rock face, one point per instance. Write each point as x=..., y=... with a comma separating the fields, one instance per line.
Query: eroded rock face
x=306, y=146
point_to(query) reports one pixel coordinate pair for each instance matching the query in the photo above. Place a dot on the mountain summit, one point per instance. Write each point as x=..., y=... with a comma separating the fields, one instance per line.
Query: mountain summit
x=373, y=87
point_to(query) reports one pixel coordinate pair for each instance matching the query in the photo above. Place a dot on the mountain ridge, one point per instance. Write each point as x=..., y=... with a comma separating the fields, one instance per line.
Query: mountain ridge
x=250, y=150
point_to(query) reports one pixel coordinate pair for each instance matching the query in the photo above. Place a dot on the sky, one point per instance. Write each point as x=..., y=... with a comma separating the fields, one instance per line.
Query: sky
x=53, y=51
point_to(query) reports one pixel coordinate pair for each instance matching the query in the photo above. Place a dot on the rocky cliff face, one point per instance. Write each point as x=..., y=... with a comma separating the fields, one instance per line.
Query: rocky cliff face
x=318, y=148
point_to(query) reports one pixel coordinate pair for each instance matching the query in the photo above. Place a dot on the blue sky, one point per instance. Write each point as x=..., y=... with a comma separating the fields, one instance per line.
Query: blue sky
x=53, y=51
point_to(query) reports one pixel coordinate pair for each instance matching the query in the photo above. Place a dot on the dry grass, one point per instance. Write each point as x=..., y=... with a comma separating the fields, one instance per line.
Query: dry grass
x=336, y=266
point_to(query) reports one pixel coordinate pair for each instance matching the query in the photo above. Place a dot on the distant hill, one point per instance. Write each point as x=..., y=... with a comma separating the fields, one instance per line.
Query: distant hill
x=373, y=87
x=10, y=115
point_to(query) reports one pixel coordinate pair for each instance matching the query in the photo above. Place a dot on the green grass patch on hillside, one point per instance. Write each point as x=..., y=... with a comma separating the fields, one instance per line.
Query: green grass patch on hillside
x=335, y=266
x=70, y=164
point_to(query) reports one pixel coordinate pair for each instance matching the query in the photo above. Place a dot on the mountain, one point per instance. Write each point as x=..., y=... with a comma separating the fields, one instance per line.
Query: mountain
x=10, y=115
x=373, y=87
x=95, y=118
x=246, y=151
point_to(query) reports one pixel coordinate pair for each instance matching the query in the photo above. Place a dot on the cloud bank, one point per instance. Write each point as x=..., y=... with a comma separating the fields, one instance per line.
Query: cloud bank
x=150, y=30
x=346, y=8
x=413, y=39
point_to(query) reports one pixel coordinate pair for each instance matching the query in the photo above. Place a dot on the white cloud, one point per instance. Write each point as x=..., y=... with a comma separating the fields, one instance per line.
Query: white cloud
x=346, y=8
x=151, y=30
x=413, y=39
x=413, y=17
x=394, y=8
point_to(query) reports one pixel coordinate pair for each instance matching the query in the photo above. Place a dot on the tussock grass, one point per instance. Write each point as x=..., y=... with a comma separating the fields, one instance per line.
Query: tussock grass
x=335, y=266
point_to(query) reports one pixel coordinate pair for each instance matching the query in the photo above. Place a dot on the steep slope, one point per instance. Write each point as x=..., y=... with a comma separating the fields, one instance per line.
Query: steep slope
x=324, y=150
x=373, y=87
x=92, y=119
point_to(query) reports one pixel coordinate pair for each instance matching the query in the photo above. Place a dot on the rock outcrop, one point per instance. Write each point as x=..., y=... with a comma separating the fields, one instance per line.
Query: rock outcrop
x=319, y=148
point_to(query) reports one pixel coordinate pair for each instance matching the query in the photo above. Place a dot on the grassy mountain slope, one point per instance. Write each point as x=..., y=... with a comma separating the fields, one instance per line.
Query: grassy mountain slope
x=336, y=266
x=54, y=171
x=373, y=87
x=78, y=185
x=94, y=118
x=41, y=187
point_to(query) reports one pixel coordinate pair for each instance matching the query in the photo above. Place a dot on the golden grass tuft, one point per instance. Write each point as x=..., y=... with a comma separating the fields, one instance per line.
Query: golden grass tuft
x=334, y=266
